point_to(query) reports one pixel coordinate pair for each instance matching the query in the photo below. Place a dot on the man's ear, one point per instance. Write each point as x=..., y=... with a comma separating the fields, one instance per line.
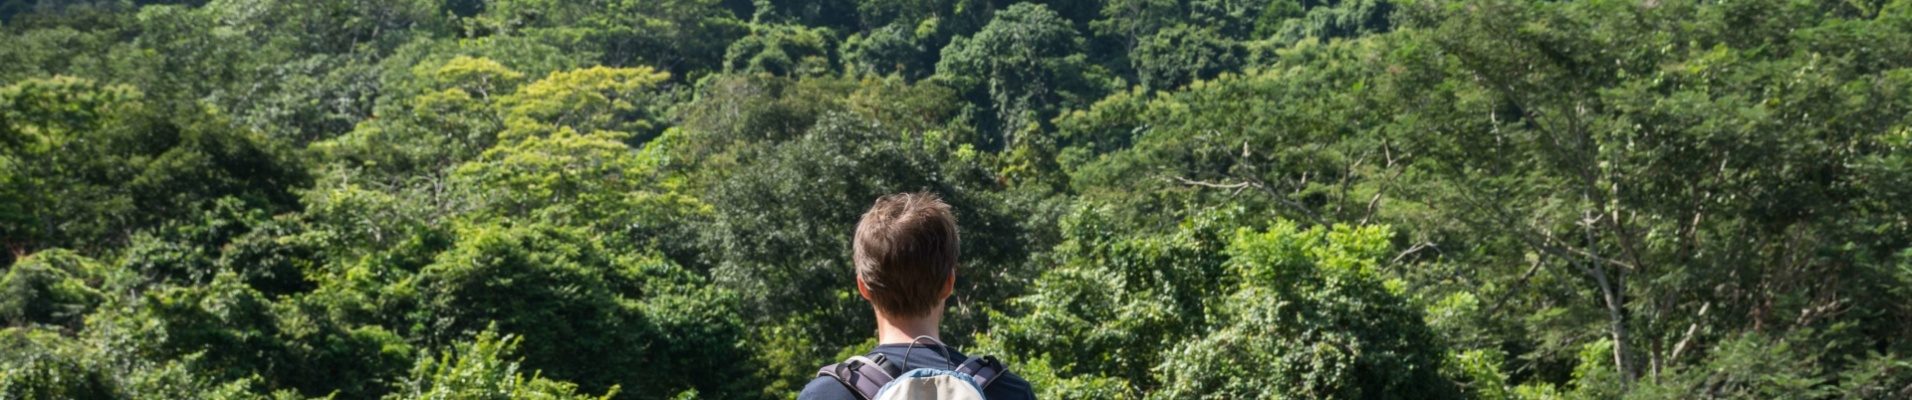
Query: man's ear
x=860, y=288
x=949, y=286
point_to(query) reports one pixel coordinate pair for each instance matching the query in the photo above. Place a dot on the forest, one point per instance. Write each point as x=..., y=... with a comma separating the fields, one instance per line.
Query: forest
x=1158, y=199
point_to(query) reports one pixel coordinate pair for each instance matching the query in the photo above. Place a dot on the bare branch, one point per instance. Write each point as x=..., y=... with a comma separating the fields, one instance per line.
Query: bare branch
x=1415, y=249
x=1495, y=310
x=1191, y=182
x=1686, y=339
x=1252, y=183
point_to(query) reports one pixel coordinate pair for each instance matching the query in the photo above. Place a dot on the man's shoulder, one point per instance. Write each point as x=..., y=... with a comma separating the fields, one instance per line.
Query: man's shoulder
x=1010, y=386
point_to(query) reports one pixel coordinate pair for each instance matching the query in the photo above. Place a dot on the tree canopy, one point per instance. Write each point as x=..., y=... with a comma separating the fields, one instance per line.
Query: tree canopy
x=1158, y=199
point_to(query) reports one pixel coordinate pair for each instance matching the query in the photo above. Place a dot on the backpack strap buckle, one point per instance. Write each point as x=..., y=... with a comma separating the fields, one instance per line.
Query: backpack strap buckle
x=984, y=369
x=862, y=375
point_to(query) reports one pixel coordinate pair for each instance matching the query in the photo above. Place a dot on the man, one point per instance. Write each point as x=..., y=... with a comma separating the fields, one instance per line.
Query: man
x=905, y=255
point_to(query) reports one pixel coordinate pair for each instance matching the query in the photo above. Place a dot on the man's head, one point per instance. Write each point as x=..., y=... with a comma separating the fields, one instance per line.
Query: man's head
x=906, y=250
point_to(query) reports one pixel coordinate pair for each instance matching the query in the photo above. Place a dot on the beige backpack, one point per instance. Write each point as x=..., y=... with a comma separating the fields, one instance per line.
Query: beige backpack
x=876, y=378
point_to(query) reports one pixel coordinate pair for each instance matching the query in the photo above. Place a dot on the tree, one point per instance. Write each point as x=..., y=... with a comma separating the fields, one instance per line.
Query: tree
x=1286, y=312
x=758, y=108
x=1132, y=20
x=783, y=50
x=571, y=299
x=224, y=331
x=586, y=101
x=439, y=106
x=51, y=287
x=1021, y=70
x=45, y=364
x=893, y=49
x=1615, y=139
x=98, y=163
x=1117, y=299
x=1310, y=320
x=1291, y=21
x=479, y=369
x=592, y=180
x=906, y=36
x=1304, y=138
x=1181, y=54
x=684, y=37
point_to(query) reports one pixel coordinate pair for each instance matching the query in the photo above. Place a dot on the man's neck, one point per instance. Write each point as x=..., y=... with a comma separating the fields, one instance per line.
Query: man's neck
x=904, y=331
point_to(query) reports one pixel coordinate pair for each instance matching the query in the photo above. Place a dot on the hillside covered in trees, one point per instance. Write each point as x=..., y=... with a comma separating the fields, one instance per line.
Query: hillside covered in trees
x=1159, y=199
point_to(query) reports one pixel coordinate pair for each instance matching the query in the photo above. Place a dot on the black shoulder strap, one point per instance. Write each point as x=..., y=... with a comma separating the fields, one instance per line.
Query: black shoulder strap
x=985, y=369
x=862, y=375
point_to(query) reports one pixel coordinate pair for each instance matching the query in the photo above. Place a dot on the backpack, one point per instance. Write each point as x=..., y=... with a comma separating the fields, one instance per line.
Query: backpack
x=876, y=378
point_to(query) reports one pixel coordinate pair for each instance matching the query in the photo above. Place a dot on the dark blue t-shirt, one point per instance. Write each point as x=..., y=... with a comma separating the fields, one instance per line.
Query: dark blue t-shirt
x=1005, y=387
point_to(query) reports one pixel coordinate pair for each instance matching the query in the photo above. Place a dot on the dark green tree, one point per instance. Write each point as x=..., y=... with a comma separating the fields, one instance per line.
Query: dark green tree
x=53, y=287
x=646, y=326
x=93, y=163
x=783, y=50
x=1019, y=71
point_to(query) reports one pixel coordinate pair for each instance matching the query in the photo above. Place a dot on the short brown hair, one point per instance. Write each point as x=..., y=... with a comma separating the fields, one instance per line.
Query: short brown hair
x=906, y=248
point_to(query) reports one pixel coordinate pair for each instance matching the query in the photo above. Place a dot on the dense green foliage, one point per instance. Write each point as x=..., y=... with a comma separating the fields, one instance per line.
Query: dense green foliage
x=1161, y=199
